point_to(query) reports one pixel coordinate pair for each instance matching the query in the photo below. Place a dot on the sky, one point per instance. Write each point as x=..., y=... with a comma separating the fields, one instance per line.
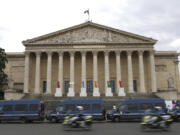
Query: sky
x=25, y=19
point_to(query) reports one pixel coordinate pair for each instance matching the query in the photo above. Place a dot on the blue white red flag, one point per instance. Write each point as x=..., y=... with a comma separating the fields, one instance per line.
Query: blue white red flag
x=86, y=11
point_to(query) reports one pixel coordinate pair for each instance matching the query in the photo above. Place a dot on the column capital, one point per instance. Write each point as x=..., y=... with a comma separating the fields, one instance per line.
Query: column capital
x=83, y=53
x=106, y=53
x=72, y=53
x=27, y=53
x=60, y=53
x=49, y=53
x=38, y=53
x=95, y=52
x=118, y=52
x=140, y=52
x=129, y=52
x=152, y=52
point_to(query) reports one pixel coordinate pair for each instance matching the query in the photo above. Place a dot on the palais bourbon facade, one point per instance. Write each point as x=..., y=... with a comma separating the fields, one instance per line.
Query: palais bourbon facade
x=94, y=60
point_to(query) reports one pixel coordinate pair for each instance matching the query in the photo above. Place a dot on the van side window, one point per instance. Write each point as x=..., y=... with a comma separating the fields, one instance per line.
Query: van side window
x=96, y=107
x=33, y=107
x=145, y=106
x=20, y=107
x=86, y=107
x=69, y=107
x=7, y=108
x=132, y=106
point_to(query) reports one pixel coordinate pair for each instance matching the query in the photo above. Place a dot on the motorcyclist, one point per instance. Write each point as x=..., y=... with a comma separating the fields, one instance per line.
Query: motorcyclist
x=80, y=116
x=156, y=116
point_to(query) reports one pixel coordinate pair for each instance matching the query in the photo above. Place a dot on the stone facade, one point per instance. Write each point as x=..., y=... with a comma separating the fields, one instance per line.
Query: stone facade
x=94, y=53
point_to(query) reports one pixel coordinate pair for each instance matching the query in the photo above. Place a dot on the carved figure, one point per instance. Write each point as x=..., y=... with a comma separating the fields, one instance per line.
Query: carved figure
x=10, y=83
x=170, y=81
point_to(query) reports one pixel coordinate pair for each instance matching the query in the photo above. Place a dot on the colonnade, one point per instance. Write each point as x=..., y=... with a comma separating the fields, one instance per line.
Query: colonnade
x=95, y=70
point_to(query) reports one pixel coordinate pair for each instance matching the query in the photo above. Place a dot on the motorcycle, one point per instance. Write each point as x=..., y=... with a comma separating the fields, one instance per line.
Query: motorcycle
x=155, y=121
x=74, y=122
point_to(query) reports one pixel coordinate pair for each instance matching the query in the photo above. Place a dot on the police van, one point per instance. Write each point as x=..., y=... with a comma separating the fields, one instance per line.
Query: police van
x=22, y=110
x=175, y=111
x=134, y=109
x=92, y=107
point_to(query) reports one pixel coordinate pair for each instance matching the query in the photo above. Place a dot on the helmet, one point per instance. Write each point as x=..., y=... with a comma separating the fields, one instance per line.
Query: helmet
x=80, y=108
x=158, y=108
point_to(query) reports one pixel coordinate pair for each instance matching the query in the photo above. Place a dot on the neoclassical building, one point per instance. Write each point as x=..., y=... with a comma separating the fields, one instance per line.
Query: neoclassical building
x=94, y=60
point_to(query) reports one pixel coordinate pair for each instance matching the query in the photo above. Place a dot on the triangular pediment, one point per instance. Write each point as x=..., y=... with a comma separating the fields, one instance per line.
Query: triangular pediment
x=89, y=33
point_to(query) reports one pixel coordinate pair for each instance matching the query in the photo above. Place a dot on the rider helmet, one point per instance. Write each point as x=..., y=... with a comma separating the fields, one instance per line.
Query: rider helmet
x=80, y=108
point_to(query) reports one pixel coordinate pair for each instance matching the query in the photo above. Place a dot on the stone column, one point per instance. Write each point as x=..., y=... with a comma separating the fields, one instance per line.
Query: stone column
x=176, y=62
x=59, y=87
x=153, y=74
x=26, y=73
x=130, y=72
x=83, y=75
x=60, y=72
x=71, y=89
x=120, y=90
x=106, y=67
x=95, y=75
x=49, y=72
x=37, y=73
x=141, y=72
x=118, y=68
x=95, y=67
x=106, y=64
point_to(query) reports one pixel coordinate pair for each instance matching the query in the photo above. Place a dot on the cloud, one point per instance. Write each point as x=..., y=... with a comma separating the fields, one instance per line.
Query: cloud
x=27, y=19
x=176, y=43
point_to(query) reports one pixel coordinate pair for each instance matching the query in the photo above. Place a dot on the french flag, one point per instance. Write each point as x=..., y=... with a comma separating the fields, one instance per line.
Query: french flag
x=86, y=11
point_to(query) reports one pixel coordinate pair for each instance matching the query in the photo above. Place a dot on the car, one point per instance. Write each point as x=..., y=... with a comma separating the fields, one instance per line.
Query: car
x=22, y=110
x=134, y=109
x=92, y=107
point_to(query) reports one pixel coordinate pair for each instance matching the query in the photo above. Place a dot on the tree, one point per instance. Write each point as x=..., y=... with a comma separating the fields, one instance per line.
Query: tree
x=3, y=61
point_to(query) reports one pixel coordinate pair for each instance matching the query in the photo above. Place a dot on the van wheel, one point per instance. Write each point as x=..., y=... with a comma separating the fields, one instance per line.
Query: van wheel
x=30, y=121
x=23, y=120
x=116, y=119
x=53, y=120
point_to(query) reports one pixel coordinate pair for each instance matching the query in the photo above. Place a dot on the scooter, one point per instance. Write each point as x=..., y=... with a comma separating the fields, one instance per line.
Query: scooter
x=74, y=122
x=155, y=121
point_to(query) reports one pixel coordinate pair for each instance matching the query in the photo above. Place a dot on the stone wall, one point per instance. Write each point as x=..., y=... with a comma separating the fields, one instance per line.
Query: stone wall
x=166, y=66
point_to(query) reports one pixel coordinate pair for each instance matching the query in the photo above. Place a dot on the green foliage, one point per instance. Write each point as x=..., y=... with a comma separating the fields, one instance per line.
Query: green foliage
x=3, y=61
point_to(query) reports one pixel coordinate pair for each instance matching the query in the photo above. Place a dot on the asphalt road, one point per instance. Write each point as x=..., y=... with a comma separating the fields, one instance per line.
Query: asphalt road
x=101, y=128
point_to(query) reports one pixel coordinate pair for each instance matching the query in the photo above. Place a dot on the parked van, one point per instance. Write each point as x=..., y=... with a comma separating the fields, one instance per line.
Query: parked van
x=92, y=107
x=23, y=110
x=132, y=109
x=175, y=111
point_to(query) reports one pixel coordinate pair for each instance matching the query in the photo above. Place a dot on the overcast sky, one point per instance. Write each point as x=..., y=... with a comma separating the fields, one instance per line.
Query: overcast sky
x=25, y=19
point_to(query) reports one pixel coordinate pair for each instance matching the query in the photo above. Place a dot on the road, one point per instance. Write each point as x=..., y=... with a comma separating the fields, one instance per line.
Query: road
x=101, y=128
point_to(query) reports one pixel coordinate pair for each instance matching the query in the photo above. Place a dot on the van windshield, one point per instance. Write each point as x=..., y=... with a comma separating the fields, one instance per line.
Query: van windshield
x=59, y=108
x=122, y=107
x=42, y=107
x=0, y=108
